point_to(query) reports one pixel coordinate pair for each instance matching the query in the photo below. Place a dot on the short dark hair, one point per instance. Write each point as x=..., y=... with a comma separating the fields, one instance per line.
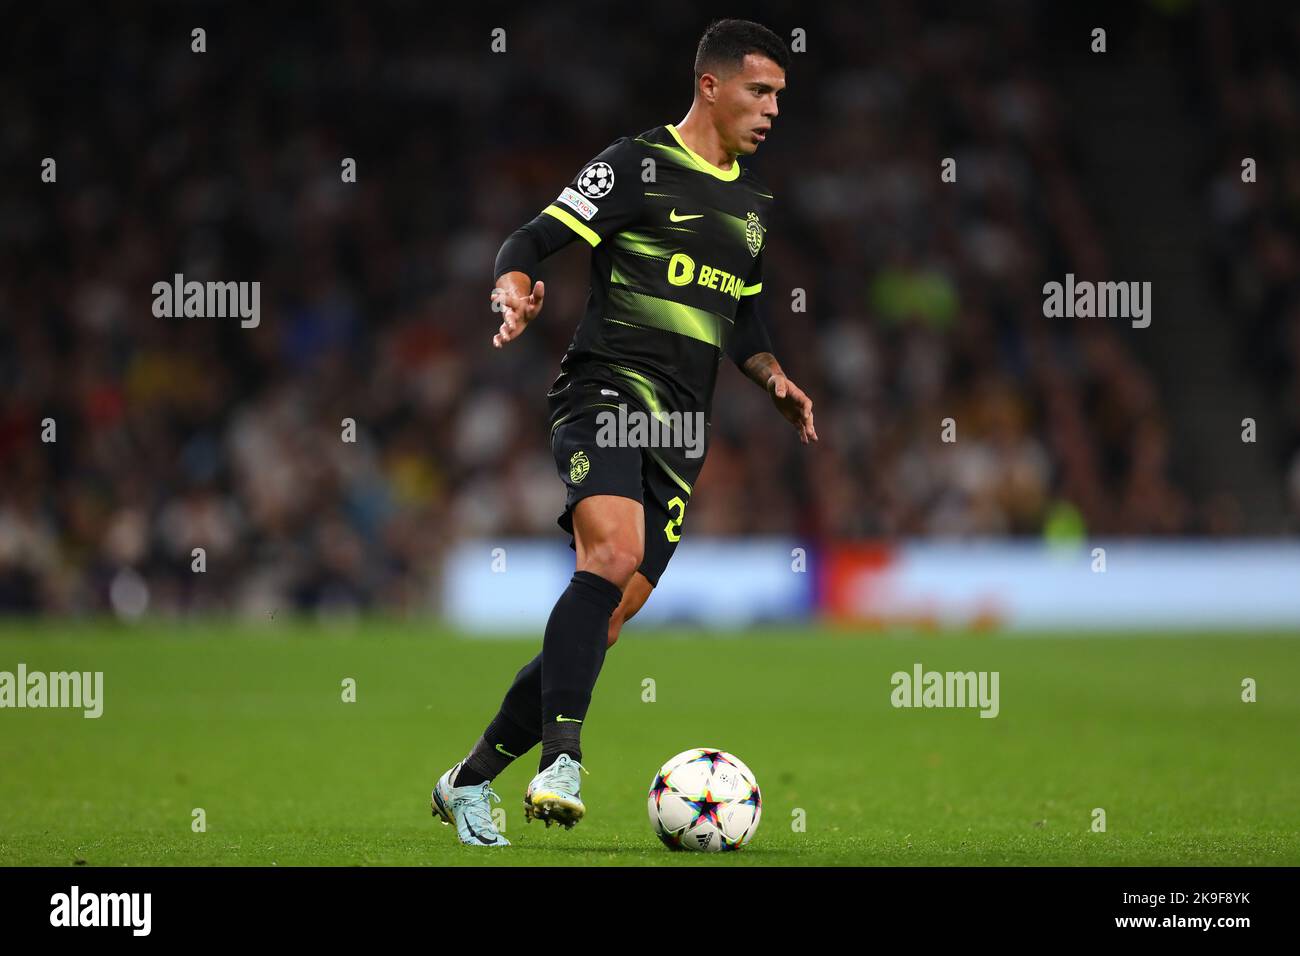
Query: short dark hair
x=726, y=42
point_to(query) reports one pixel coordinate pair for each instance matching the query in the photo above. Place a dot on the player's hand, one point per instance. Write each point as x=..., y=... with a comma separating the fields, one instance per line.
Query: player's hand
x=517, y=310
x=791, y=402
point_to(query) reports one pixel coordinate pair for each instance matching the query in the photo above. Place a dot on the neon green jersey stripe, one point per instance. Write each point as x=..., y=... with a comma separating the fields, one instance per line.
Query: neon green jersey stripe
x=671, y=474
x=643, y=387
x=671, y=153
x=655, y=313
x=573, y=224
x=643, y=244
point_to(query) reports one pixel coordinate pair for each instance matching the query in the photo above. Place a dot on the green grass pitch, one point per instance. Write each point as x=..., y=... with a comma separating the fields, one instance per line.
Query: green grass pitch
x=248, y=723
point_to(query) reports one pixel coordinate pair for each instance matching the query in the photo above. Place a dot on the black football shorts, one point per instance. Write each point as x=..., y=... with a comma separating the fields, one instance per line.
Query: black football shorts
x=589, y=469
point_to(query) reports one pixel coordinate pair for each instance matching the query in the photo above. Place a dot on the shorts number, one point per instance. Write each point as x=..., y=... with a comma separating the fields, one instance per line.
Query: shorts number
x=670, y=529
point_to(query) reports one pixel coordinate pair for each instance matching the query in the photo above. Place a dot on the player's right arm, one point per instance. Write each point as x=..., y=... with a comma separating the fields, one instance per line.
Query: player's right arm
x=515, y=295
x=603, y=198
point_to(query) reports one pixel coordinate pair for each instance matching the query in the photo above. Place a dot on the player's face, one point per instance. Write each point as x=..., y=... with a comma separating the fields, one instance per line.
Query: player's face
x=746, y=103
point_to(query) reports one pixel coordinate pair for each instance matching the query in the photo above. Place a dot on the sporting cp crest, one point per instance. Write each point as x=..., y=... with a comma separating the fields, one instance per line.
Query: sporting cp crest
x=753, y=233
x=579, y=465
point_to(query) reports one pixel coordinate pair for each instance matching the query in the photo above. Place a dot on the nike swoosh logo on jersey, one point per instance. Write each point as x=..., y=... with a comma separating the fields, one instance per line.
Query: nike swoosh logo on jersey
x=571, y=720
x=673, y=217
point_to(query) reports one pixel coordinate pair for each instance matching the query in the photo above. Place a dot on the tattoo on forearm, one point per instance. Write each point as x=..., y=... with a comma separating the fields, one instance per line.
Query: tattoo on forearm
x=761, y=366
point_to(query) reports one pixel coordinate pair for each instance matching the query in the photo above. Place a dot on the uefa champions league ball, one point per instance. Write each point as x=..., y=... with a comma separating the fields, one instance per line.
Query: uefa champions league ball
x=705, y=799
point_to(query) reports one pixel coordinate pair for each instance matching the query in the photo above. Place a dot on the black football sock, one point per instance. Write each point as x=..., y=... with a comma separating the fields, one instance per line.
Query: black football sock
x=517, y=727
x=501, y=743
x=573, y=651
x=566, y=738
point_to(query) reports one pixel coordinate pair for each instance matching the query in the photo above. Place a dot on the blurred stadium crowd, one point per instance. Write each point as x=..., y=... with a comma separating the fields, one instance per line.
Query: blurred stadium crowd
x=1251, y=80
x=924, y=299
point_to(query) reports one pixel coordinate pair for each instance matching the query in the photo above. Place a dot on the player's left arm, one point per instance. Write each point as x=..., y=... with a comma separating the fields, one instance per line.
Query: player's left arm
x=750, y=348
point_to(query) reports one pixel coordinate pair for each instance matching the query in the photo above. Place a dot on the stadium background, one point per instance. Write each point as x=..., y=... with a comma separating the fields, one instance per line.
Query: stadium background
x=924, y=298
x=332, y=565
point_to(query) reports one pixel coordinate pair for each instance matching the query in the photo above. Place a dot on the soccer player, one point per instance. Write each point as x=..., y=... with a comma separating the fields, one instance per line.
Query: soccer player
x=677, y=228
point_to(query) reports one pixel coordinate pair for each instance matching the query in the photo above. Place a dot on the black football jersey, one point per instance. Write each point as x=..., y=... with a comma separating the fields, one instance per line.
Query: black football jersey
x=676, y=243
